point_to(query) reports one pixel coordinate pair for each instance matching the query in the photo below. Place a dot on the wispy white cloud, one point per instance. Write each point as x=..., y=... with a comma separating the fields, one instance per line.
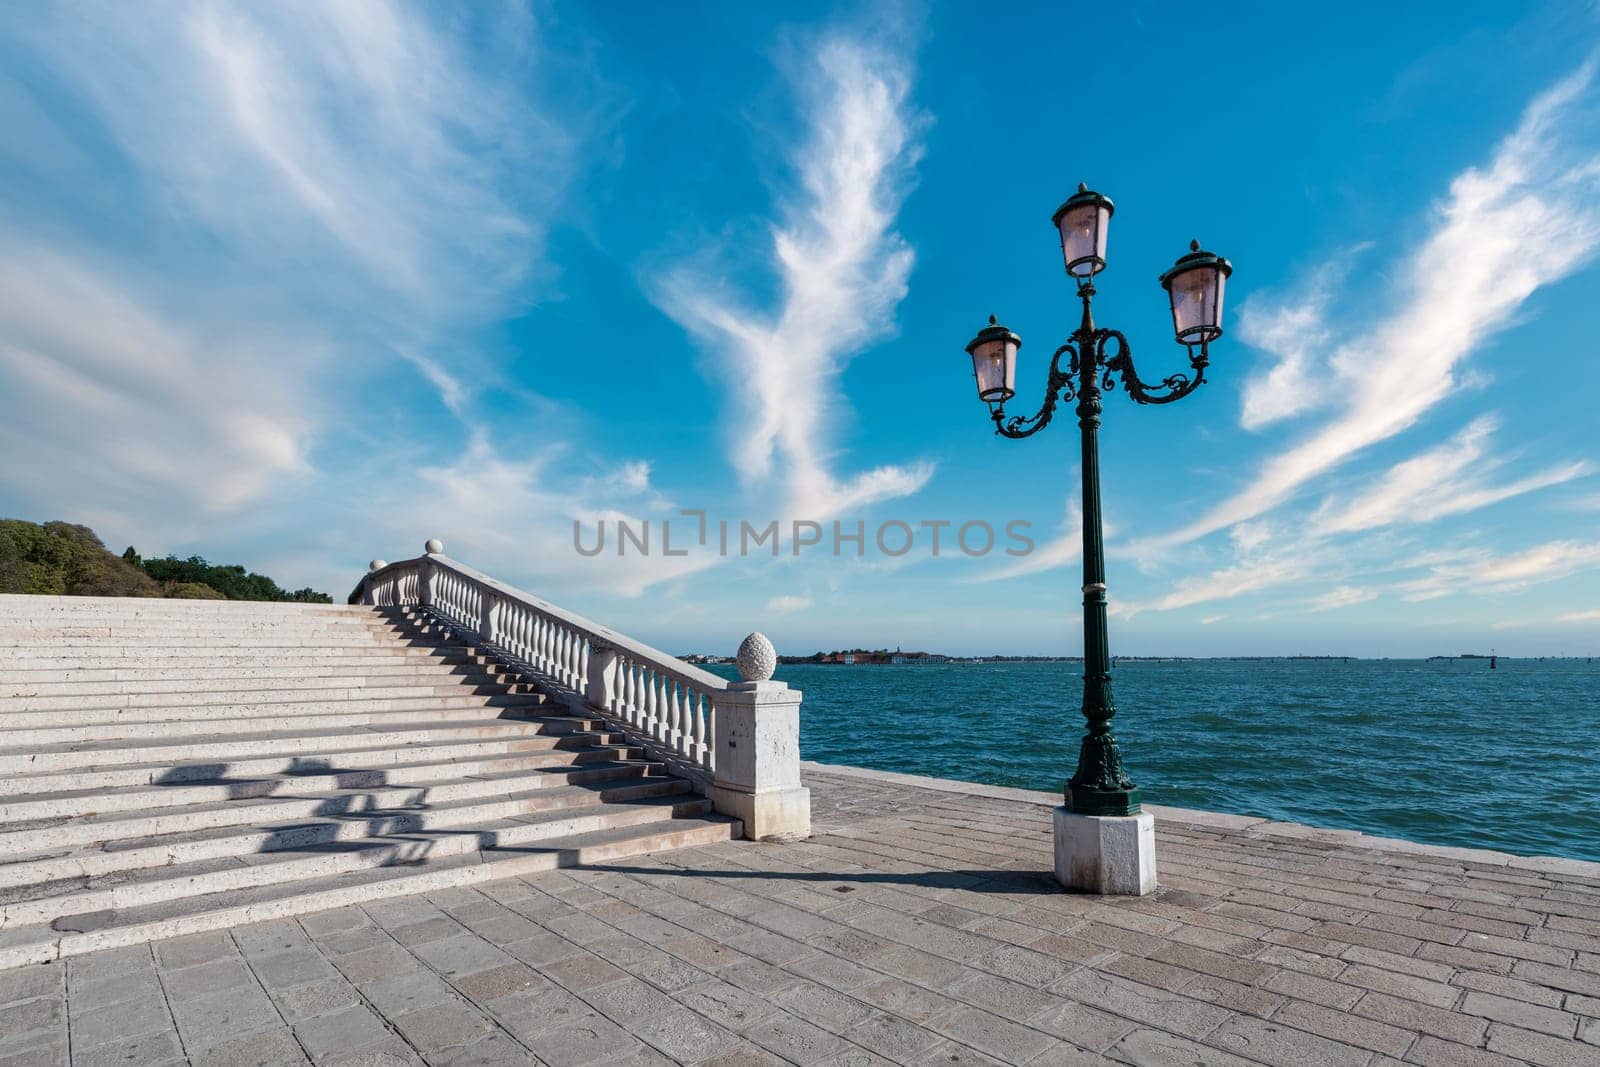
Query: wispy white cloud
x=787, y=605
x=1065, y=547
x=520, y=516
x=359, y=135
x=1253, y=575
x=1528, y=218
x=1488, y=572
x=285, y=205
x=1297, y=335
x=1450, y=479
x=183, y=418
x=1579, y=616
x=1341, y=597
x=842, y=268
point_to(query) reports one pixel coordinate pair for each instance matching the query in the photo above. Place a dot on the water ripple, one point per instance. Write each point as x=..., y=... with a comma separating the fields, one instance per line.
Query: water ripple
x=1446, y=752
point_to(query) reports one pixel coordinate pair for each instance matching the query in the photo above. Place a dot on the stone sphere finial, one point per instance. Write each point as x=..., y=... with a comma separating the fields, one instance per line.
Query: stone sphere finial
x=434, y=546
x=376, y=565
x=757, y=658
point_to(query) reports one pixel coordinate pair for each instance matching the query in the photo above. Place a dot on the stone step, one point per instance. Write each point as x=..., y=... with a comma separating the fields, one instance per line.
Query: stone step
x=42, y=874
x=250, y=697
x=40, y=943
x=536, y=719
x=145, y=634
x=130, y=788
x=150, y=680
x=194, y=878
x=28, y=605
x=33, y=826
x=154, y=634
x=156, y=642
x=25, y=668
x=170, y=767
x=52, y=656
x=47, y=758
x=112, y=626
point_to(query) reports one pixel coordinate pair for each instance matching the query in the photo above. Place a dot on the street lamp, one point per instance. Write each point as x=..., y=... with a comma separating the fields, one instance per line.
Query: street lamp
x=1096, y=359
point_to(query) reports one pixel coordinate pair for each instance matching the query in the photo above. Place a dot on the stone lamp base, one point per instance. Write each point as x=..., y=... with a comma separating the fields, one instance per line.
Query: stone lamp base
x=1106, y=854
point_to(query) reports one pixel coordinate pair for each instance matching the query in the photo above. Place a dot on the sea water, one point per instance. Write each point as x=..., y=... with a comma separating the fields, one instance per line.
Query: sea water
x=1441, y=751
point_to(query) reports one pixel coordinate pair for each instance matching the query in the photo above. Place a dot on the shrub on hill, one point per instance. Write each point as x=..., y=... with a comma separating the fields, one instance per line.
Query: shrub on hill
x=65, y=560
x=231, y=580
x=59, y=558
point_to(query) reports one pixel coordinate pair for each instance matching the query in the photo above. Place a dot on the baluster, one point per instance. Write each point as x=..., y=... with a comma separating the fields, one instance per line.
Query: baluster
x=630, y=692
x=675, y=737
x=663, y=707
x=669, y=710
x=648, y=677
x=697, y=752
x=621, y=699
x=652, y=696
x=636, y=694
x=709, y=761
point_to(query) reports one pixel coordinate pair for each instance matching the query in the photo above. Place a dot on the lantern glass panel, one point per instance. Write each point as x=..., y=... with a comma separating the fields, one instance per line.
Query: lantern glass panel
x=1197, y=304
x=1083, y=238
x=994, y=364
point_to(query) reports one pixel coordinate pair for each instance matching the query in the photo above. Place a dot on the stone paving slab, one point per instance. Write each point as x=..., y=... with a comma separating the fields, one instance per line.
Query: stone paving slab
x=919, y=925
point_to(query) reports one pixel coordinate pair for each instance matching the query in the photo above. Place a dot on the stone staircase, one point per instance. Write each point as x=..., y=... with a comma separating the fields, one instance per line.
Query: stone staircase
x=168, y=767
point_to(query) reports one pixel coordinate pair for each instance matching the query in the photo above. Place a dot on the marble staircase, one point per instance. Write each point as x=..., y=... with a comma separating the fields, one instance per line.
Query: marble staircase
x=168, y=767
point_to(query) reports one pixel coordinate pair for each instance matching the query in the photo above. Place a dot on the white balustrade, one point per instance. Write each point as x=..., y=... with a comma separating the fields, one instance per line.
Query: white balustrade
x=661, y=700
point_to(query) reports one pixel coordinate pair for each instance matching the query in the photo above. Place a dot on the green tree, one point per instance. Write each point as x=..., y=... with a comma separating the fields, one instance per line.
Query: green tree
x=63, y=559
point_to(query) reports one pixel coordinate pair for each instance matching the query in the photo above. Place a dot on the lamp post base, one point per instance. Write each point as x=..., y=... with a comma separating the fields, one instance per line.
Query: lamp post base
x=1102, y=801
x=1105, y=854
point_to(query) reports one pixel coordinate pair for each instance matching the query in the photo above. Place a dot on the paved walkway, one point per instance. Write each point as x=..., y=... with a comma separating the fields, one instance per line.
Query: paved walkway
x=917, y=926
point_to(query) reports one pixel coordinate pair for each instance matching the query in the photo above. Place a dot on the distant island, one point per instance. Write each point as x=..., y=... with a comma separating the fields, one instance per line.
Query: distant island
x=65, y=559
x=883, y=657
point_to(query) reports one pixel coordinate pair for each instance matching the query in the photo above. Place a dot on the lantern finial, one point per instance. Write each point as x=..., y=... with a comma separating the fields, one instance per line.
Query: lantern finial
x=1194, y=245
x=1083, y=187
x=993, y=321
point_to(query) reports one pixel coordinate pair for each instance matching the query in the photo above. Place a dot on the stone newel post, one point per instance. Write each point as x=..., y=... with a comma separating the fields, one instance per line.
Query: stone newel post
x=425, y=572
x=757, y=744
x=600, y=685
x=368, y=594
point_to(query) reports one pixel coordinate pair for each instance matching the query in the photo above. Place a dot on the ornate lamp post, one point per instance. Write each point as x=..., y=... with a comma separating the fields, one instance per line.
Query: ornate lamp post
x=1109, y=842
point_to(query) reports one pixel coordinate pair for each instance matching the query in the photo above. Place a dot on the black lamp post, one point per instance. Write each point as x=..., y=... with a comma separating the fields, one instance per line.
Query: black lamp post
x=1194, y=285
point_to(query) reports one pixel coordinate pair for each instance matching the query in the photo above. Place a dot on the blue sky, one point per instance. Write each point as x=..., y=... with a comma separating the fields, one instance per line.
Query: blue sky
x=303, y=284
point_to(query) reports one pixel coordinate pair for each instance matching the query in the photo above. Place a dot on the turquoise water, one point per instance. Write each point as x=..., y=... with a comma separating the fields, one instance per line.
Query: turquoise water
x=1447, y=752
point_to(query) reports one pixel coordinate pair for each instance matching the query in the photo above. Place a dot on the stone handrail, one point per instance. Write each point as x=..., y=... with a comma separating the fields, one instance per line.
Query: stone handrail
x=738, y=742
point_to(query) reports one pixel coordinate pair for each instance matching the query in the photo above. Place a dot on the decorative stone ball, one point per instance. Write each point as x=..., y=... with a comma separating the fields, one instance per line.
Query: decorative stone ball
x=757, y=658
x=376, y=565
x=434, y=546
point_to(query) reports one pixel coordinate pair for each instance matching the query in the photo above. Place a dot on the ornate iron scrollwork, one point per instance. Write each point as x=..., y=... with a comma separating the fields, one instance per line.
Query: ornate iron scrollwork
x=1173, y=387
x=1060, y=388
